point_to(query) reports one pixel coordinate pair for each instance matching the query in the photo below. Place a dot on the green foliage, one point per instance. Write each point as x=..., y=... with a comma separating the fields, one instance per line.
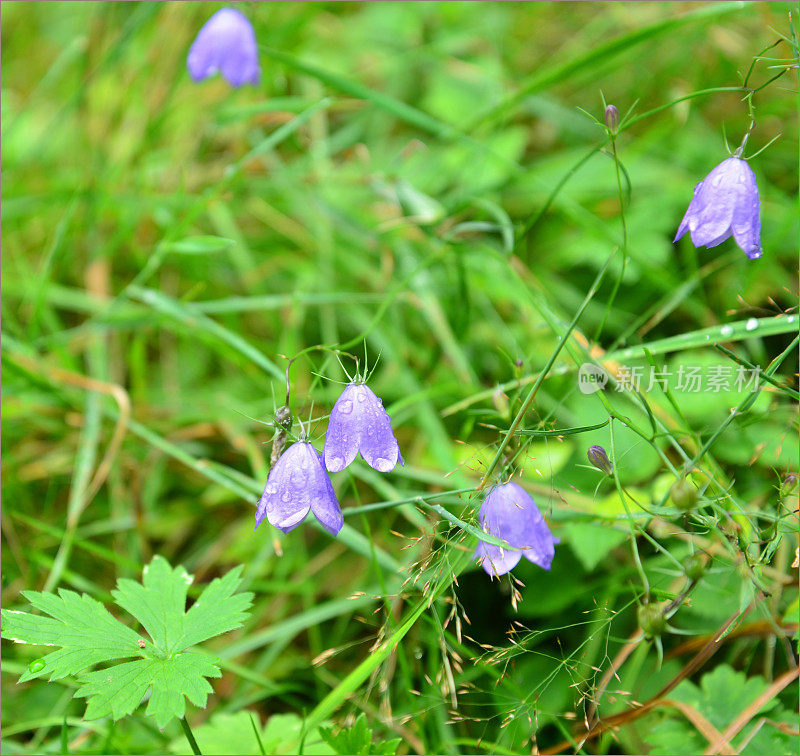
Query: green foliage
x=88, y=634
x=357, y=739
x=721, y=696
x=430, y=184
x=235, y=734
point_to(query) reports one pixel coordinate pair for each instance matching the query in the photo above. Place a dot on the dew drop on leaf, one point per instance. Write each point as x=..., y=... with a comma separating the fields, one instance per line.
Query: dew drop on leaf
x=37, y=665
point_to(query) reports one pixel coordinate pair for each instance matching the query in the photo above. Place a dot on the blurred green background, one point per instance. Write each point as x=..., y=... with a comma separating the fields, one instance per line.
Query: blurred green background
x=166, y=245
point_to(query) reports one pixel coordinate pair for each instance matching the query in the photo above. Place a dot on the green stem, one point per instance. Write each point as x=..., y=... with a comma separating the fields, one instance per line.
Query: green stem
x=187, y=731
x=544, y=372
x=624, y=240
x=634, y=525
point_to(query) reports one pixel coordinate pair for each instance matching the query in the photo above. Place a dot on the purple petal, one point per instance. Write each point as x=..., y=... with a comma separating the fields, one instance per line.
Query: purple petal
x=747, y=216
x=725, y=203
x=358, y=422
x=225, y=44
x=509, y=513
x=341, y=440
x=712, y=207
x=324, y=504
x=377, y=442
x=684, y=227
x=296, y=484
x=497, y=561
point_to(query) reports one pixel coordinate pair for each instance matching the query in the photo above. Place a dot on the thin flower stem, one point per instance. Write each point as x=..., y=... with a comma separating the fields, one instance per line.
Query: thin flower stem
x=617, y=283
x=187, y=731
x=543, y=374
x=634, y=526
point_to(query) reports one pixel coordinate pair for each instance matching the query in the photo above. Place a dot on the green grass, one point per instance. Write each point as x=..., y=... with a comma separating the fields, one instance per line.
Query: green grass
x=420, y=186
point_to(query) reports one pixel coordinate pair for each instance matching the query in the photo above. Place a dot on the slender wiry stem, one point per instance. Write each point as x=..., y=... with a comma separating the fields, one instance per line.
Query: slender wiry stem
x=543, y=373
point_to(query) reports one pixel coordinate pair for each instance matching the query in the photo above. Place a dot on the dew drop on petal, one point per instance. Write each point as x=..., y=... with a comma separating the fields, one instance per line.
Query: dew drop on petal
x=337, y=463
x=286, y=497
x=346, y=407
x=362, y=397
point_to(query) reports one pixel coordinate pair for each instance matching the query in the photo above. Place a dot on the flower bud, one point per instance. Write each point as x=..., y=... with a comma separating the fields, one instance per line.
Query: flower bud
x=683, y=494
x=694, y=566
x=612, y=118
x=598, y=457
x=651, y=619
x=789, y=484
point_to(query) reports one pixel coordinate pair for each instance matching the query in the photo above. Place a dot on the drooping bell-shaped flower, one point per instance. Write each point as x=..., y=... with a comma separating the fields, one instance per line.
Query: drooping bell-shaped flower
x=359, y=423
x=226, y=44
x=296, y=484
x=725, y=204
x=509, y=512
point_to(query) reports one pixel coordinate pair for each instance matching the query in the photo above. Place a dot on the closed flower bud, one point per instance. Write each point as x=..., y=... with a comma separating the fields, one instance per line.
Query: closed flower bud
x=598, y=457
x=612, y=118
x=651, y=619
x=789, y=484
x=694, y=566
x=683, y=494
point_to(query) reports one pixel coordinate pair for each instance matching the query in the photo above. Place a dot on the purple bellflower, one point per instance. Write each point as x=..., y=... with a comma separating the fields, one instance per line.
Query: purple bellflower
x=226, y=44
x=725, y=203
x=359, y=423
x=296, y=484
x=509, y=513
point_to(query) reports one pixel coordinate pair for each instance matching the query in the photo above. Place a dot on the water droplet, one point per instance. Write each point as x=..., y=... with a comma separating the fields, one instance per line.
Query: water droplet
x=708, y=336
x=751, y=324
x=286, y=497
x=37, y=665
x=383, y=465
x=298, y=478
x=726, y=330
x=790, y=319
x=337, y=463
x=345, y=438
x=346, y=407
x=362, y=395
x=370, y=432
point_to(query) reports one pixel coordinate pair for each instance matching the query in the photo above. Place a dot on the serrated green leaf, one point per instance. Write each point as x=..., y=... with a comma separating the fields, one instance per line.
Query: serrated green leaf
x=218, y=610
x=158, y=602
x=81, y=625
x=89, y=634
x=720, y=698
x=118, y=690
